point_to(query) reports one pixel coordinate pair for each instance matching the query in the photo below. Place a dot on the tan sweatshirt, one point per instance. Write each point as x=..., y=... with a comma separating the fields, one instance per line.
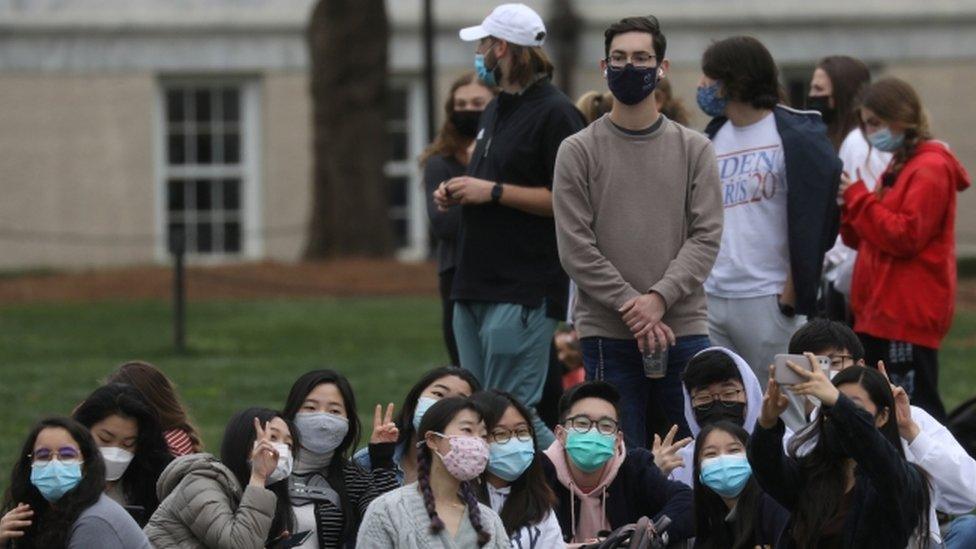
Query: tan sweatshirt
x=636, y=213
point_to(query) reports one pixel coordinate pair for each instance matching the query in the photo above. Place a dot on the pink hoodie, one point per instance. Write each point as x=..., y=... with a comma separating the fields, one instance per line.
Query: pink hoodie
x=593, y=504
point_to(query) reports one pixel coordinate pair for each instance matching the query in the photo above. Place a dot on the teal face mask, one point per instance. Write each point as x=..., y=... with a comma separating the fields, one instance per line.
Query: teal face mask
x=726, y=475
x=885, y=141
x=590, y=450
x=54, y=478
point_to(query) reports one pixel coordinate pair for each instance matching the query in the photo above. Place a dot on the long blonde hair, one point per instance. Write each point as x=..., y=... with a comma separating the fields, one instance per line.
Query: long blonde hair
x=594, y=104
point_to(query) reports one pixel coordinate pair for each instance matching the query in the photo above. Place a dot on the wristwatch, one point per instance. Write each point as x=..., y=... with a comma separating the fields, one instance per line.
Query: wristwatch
x=496, y=193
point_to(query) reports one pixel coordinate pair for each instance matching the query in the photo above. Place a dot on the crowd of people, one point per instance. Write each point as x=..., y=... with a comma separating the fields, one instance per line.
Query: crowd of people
x=748, y=359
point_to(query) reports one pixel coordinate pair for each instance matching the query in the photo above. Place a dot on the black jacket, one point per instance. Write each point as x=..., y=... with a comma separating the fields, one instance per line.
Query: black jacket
x=507, y=255
x=886, y=485
x=812, y=176
x=638, y=490
x=444, y=225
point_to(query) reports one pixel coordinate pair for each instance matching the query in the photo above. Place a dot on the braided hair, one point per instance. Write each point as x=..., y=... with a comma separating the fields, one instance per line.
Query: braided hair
x=437, y=418
x=894, y=100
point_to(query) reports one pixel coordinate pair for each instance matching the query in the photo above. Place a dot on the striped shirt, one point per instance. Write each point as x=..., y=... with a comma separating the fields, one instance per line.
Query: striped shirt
x=361, y=487
x=179, y=442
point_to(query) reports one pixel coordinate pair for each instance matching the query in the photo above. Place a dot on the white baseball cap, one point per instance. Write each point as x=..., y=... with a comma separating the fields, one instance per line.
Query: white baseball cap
x=515, y=23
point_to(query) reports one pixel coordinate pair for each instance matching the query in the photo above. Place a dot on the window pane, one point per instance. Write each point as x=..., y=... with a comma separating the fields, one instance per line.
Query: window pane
x=174, y=106
x=201, y=105
x=231, y=104
x=177, y=149
x=175, y=201
x=204, y=237
x=232, y=194
x=398, y=146
x=171, y=229
x=232, y=148
x=232, y=237
x=203, y=195
x=396, y=104
x=398, y=191
x=400, y=232
x=204, y=148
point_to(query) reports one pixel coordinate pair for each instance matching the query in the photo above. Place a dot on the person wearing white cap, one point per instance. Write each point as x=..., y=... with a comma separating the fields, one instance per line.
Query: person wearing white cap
x=638, y=221
x=509, y=289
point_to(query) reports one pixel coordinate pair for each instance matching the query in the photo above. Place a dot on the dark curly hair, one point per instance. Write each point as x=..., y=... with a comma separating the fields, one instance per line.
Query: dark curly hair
x=51, y=525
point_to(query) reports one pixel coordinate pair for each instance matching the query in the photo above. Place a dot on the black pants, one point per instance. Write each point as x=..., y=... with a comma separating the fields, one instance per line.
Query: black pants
x=447, y=315
x=912, y=367
x=548, y=406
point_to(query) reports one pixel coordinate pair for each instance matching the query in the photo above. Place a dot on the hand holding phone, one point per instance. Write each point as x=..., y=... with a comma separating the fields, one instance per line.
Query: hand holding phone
x=785, y=376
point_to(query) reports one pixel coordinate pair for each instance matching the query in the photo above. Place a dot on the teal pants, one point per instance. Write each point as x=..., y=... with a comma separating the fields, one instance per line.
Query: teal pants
x=506, y=347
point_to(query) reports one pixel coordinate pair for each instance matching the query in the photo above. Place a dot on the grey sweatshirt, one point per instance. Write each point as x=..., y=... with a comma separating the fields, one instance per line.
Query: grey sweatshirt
x=634, y=214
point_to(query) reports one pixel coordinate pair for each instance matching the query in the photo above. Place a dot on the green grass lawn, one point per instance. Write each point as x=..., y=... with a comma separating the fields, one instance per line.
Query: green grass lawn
x=247, y=353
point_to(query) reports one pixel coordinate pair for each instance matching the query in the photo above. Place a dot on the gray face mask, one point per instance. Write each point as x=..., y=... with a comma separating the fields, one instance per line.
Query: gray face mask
x=321, y=432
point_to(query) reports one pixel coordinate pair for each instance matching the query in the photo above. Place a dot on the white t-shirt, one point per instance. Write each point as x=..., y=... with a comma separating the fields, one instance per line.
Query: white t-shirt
x=543, y=535
x=860, y=159
x=754, y=257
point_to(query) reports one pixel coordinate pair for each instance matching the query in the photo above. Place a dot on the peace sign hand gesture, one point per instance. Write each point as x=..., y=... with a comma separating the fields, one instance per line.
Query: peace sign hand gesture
x=384, y=430
x=816, y=383
x=665, y=452
x=264, y=456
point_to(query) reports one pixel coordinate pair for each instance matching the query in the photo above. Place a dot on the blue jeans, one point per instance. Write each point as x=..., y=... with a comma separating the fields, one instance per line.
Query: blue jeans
x=961, y=533
x=619, y=362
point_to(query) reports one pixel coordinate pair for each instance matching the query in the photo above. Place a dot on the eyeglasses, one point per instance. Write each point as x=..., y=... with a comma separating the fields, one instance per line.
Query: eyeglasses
x=64, y=455
x=583, y=424
x=501, y=436
x=839, y=362
x=640, y=60
x=706, y=400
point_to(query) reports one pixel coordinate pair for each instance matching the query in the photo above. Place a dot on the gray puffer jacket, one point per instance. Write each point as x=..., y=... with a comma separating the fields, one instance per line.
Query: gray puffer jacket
x=202, y=507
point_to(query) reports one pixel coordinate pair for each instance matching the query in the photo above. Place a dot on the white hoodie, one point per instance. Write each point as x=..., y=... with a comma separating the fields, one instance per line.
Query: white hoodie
x=754, y=396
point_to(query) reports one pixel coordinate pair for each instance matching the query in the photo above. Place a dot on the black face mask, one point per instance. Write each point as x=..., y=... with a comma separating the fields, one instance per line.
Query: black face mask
x=821, y=104
x=721, y=411
x=466, y=122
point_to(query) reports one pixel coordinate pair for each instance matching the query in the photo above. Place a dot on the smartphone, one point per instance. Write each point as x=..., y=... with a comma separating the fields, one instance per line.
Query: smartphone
x=786, y=376
x=296, y=539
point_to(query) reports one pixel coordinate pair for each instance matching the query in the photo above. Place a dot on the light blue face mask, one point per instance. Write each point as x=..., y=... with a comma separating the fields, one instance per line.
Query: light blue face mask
x=726, y=475
x=486, y=75
x=885, y=141
x=509, y=460
x=423, y=404
x=709, y=101
x=54, y=478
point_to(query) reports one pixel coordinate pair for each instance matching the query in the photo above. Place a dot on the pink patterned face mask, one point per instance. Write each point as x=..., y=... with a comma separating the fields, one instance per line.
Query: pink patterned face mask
x=467, y=458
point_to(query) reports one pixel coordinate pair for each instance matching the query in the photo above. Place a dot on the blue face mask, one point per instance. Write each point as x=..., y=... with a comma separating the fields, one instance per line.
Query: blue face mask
x=486, y=75
x=54, y=479
x=590, y=450
x=423, y=404
x=630, y=84
x=885, y=141
x=709, y=101
x=726, y=475
x=509, y=460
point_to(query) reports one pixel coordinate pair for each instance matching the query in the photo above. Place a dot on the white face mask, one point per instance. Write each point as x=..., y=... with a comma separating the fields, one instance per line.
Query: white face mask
x=116, y=460
x=285, y=463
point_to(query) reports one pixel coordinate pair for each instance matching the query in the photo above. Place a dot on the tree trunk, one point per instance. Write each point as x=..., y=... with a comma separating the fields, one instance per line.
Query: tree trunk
x=347, y=42
x=564, y=28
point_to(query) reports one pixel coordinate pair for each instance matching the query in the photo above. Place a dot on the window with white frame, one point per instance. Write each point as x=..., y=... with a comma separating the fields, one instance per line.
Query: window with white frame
x=208, y=174
x=405, y=128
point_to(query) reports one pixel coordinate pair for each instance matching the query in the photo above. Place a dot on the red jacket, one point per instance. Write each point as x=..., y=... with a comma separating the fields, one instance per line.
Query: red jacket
x=904, y=284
